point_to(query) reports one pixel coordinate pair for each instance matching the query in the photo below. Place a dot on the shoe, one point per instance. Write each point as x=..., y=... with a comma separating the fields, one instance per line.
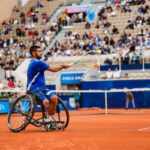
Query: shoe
x=50, y=123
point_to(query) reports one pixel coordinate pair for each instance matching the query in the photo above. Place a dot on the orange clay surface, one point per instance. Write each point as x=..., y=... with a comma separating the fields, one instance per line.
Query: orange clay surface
x=89, y=129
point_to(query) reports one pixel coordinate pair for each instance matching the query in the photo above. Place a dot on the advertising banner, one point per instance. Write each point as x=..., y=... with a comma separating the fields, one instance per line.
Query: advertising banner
x=71, y=78
x=76, y=9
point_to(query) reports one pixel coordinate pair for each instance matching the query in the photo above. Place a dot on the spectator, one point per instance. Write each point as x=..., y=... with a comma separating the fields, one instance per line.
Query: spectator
x=109, y=74
x=147, y=42
x=115, y=30
x=116, y=74
x=108, y=61
x=11, y=83
x=1, y=85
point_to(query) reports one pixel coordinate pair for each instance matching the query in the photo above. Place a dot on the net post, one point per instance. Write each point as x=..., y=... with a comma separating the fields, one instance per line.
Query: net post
x=106, y=102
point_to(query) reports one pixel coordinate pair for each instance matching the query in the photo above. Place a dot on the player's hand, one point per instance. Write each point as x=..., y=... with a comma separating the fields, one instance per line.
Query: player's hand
x=65, y=66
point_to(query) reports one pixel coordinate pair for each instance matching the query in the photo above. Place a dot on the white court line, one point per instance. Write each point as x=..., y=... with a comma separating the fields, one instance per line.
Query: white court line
x=144, y=129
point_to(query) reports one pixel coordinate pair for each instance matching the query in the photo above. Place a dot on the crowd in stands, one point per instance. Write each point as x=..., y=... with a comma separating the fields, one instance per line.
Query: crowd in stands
x=23, y=29
x=33, y=26
x=129, y=45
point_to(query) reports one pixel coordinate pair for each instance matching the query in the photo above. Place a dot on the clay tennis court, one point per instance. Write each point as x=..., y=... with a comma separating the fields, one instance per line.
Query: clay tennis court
x=88, y=130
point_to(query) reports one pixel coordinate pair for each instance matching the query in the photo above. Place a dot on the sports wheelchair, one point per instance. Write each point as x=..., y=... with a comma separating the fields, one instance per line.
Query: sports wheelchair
x=27, y=109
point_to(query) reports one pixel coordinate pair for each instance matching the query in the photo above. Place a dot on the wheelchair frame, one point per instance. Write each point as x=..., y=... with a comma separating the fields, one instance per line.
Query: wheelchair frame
x=49, y=123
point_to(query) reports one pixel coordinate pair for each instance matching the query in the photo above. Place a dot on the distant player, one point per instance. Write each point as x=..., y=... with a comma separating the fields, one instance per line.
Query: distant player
x=129, y=98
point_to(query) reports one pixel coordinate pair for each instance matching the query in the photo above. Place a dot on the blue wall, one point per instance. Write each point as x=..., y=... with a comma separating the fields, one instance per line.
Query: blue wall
x=4, y=106
x=125, y=67
x=115, y=100
x=118, y=84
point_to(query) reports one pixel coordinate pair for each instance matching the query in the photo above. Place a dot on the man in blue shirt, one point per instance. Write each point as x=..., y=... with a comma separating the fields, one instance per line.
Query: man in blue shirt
x=36, y=79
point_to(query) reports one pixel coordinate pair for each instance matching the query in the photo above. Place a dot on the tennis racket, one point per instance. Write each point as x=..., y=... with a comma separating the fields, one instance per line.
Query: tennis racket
x=80, y=62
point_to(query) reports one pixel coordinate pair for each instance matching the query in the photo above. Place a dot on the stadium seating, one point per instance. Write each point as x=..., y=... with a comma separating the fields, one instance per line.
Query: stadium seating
x=32, y=24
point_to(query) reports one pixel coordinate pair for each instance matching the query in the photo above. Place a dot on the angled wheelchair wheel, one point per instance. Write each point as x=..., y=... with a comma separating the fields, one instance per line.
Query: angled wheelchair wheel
x=21, y=112
x=61, y=117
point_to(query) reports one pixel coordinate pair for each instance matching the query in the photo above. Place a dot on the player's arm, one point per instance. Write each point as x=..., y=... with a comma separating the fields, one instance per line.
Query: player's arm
x=57, y=68
x=42, y=66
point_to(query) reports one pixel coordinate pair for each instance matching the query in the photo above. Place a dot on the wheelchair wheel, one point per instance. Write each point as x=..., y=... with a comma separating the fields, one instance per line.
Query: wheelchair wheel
x=21, y=112
x=62, y=115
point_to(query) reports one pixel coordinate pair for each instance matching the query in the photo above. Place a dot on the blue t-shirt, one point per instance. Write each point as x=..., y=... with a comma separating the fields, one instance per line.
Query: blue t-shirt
x=36, y=67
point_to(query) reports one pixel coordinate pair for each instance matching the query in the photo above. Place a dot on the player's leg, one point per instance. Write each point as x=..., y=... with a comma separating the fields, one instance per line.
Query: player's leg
x=46, y=104
x=133, y=103
x=41, y=97
x=52, y=99
x=53, y=104
x=127, y=103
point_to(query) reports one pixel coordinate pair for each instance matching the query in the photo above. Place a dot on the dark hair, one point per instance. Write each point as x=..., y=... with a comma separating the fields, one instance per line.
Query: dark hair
x=34, y=48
